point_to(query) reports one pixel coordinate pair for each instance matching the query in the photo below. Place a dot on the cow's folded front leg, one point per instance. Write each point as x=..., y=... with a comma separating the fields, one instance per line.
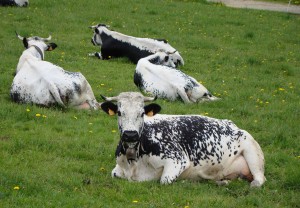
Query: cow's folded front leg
x=172, y=170
x=117, y=172
x=97, y=54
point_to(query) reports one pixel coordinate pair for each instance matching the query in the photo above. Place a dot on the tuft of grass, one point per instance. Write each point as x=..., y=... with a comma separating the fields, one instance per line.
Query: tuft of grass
x=63, y=157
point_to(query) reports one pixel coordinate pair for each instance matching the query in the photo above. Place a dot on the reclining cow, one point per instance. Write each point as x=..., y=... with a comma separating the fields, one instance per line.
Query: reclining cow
x=114, y=44
x=170, y=147
x=43, y=83
x=20, y=3
x=156, y=75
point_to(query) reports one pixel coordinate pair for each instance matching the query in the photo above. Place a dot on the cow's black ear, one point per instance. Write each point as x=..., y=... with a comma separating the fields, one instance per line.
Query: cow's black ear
x=51, y=46
x=25, y=42
x=109, y=108
x=152, y=109
x=97, y=31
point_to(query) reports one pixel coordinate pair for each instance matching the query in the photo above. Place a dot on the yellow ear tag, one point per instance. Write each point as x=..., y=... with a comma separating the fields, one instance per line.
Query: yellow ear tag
x=111, y=112
x=150, y=114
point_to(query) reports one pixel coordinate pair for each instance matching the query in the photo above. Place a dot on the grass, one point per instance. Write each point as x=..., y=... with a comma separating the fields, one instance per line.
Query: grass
x=63, y=157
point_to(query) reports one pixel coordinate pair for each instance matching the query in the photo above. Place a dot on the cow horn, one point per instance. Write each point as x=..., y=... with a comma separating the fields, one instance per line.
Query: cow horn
x=47, y=39
x=171, y=52
x=148, y=99
x=109, y=98
x=93, y=27
x=19, y=36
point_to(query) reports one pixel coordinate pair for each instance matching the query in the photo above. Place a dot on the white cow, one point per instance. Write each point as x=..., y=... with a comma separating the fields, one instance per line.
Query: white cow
x=115, y=44
x=156, y=75
x=168, y=147
x=43, y=83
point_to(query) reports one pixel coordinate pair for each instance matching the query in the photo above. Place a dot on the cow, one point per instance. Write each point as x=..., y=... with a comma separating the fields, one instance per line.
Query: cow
x=169, y=147
x=115, y=44
x=156, y=75
x=20, y=3
x=43, y=83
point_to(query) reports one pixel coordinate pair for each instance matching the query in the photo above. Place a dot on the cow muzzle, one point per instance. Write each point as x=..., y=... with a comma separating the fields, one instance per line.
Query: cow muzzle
x=130, y=141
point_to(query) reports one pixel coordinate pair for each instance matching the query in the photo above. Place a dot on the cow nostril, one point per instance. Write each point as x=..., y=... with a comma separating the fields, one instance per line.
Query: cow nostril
x=130, y=136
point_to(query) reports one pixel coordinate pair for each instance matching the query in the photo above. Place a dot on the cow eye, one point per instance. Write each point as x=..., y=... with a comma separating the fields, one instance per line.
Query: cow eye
x=119, y=113
x=97, y=31
x=166, y=58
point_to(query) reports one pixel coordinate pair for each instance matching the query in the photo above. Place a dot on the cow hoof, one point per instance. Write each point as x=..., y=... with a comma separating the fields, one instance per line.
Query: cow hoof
x=98, y=55
x=255, y=184
x=222, y=183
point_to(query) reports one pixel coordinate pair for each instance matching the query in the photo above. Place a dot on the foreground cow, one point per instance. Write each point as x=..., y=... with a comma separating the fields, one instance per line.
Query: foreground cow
x=167, y=147
x=43, y=83
x=21, y=3
x=114, y=44
x=156, y=75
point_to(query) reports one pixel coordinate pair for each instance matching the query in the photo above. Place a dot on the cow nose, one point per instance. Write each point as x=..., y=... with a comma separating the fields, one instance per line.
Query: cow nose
x=130, y=136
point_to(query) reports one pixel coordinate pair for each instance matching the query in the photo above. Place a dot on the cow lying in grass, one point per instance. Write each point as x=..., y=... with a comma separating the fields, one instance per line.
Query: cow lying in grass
x=170, y=147
x=114, y=44
x=156, y=75
x=43, y=83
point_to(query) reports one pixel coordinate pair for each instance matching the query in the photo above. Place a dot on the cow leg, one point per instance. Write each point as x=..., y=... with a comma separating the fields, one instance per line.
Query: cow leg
x=97, y=54
x=183, y=95
x=172, y=170
x=117, y=172
x=255, y=159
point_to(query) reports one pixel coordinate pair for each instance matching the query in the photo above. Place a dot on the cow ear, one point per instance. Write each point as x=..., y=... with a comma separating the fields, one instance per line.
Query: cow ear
x=152, y=109
x=51, y=46
x=25, y=42
x=109, y=108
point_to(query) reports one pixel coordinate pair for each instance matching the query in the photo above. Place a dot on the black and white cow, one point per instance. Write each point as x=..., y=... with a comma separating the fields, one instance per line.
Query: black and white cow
x=114, y=44
x=156, y=75
x=21, y=3
x=43, y=83
x=170, y=147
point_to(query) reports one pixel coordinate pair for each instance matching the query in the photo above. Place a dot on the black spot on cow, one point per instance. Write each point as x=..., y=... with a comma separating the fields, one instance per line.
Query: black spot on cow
x=235, y=152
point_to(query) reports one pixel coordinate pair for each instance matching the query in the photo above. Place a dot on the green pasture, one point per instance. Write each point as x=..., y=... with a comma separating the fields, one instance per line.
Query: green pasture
x=63, y=157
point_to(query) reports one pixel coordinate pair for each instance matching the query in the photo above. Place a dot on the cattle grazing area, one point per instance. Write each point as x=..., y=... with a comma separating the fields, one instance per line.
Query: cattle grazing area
x=63, y=157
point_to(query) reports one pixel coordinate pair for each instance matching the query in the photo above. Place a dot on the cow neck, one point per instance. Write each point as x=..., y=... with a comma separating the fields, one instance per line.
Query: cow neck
x=39, y=51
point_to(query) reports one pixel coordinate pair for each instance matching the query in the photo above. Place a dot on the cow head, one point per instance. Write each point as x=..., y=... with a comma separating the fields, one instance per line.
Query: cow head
x=131, y=110
x=98, y=29
x=161, y=58
x=39, y=43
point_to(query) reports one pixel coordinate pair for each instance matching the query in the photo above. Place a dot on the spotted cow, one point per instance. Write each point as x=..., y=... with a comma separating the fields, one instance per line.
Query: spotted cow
x=115, y=44
x=169, y=147
x=156, y=75
x=43, y=83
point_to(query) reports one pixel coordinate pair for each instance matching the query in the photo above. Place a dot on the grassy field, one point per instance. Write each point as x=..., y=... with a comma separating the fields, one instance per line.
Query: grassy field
x=63, y=157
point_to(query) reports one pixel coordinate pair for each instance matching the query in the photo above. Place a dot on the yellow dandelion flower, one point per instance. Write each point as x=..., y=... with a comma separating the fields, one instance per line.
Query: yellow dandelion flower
x=267, y=102
x=37, y=115
x=187, y=206
x=113, y=131
x=44, y=116
x=102, y=169
x=135, y=201
x=90, y=123
x=102, y=84
x=91, y=131
x=16, y=188
x=28, y=110
x=206, y=113
x=281, y=89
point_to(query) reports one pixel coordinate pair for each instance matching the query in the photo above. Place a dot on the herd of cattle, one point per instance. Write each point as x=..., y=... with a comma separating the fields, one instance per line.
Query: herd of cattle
x=152, y=146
